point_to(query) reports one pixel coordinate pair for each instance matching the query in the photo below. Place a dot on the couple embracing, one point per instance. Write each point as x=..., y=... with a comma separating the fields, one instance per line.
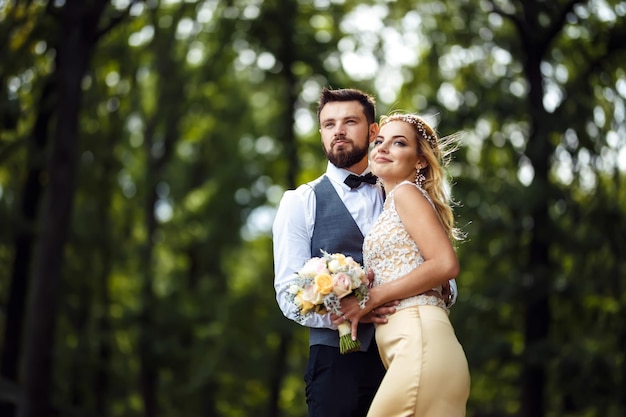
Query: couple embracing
x=382, y=202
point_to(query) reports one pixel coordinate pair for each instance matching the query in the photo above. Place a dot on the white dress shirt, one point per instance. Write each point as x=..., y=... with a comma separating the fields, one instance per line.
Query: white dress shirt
x=293, y=230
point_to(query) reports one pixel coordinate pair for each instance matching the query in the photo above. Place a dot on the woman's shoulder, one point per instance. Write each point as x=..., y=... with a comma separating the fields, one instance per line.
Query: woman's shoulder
x=407, y=189
x=406, y=184
x=410, y=194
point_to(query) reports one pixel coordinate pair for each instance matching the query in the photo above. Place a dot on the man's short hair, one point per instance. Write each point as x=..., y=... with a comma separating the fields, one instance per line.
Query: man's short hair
x=348, y=94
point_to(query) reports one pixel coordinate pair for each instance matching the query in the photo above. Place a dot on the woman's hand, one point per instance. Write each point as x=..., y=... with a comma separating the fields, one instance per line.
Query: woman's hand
x=352, y=312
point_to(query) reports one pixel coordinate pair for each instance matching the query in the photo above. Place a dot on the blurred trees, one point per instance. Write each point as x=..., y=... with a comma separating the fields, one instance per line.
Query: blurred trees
x=157, y=136
x=548, y=147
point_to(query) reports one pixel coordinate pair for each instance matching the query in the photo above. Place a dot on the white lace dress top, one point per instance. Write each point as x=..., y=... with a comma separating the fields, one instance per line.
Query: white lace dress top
x=391, y=253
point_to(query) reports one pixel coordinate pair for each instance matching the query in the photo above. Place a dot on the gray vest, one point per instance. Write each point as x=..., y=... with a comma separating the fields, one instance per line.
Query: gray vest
x=335, y=231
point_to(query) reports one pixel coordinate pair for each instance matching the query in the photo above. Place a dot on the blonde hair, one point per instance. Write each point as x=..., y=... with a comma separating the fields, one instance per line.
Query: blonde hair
x=437, y=153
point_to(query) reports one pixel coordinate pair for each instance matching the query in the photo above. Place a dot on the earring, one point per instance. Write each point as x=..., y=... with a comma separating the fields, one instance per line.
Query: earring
x=419, y=178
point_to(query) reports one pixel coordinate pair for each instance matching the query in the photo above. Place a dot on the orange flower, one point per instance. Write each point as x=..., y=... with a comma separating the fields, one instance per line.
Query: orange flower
x=323, y=284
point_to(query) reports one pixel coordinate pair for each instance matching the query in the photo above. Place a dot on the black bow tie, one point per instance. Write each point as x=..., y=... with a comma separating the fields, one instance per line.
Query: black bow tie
x=353, y=181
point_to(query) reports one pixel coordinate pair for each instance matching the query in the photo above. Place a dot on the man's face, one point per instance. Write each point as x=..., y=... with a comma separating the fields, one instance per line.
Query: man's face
x=346, y=135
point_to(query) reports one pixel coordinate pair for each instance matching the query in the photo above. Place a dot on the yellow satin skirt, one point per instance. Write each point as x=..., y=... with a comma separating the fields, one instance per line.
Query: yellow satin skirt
x=427, y=372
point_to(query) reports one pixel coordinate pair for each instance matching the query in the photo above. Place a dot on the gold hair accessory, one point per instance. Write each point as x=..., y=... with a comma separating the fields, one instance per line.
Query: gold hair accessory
x=420, y=125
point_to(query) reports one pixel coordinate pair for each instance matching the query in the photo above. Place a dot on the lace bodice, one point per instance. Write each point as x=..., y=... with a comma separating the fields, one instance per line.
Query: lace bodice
x=391, y=253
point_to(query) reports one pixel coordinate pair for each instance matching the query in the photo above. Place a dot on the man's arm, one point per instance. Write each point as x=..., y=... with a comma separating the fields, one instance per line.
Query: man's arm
x=292, y=248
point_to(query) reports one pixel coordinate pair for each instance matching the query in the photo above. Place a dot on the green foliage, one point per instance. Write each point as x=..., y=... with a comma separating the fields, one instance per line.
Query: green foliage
x=195, y=117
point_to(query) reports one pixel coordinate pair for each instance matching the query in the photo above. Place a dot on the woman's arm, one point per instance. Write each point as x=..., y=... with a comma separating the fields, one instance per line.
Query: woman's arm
x=440, y=260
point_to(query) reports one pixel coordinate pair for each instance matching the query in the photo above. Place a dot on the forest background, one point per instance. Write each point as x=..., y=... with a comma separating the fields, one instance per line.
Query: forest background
x=144, y=146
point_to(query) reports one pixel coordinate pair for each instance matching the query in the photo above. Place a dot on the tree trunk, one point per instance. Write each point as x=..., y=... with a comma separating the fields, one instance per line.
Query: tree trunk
x=78, y=24
x=536, y=309
x=288, y=10
x=103, y=320
x=25, y=236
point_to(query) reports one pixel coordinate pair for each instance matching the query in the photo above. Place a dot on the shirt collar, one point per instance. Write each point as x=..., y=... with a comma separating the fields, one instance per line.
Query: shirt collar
x=339, y=174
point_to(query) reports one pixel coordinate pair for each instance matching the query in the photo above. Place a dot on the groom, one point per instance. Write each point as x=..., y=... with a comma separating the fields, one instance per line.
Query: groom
x=334, y=213
x=331, y=215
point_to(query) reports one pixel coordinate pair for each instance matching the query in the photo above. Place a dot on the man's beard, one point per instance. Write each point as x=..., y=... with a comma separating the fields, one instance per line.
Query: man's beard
x=345, y=158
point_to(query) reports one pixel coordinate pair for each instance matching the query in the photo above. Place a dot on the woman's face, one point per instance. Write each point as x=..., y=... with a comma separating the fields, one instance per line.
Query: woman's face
x=394, y=156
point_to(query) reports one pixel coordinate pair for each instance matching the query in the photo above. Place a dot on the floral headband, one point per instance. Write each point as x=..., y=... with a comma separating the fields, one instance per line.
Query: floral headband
x=419, y=124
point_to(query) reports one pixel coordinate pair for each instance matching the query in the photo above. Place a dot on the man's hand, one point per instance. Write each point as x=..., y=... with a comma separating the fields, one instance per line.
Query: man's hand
x=370, y=278
x=446, y=293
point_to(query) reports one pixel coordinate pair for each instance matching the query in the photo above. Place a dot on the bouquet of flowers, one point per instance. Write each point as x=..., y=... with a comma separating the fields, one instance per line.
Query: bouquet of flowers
x=322, y=283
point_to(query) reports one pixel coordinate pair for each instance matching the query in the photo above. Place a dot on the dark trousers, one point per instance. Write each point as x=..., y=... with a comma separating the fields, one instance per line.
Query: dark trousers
x=342, y=385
